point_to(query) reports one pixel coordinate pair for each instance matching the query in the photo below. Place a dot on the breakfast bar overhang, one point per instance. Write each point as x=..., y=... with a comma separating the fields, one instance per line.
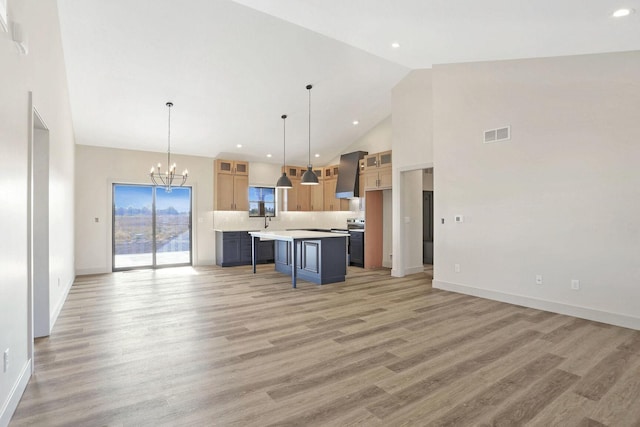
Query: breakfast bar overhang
x=315, y=256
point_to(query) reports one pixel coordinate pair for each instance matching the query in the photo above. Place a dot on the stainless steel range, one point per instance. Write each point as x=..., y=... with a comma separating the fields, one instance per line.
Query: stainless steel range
x=355, y=224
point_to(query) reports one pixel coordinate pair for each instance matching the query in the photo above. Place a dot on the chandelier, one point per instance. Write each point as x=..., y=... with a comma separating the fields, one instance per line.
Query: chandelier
x=166, y=179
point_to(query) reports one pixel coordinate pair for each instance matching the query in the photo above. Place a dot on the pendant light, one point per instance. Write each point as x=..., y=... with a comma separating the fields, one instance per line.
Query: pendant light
x=309, y=178
x=165, y=179
x=284, y=181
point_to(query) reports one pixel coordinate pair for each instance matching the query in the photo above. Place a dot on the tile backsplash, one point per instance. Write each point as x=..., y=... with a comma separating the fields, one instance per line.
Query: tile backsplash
x=229, y=221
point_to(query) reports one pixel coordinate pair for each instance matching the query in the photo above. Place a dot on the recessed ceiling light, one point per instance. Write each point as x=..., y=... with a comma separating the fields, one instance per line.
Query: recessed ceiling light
x=395, y=45
x=239, y=145
x=622, y=12
x=355, y=122
x=268, y=155
x=317, y=155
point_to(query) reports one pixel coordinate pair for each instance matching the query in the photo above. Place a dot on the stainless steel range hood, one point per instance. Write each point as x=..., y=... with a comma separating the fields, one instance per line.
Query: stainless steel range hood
x=348, y=185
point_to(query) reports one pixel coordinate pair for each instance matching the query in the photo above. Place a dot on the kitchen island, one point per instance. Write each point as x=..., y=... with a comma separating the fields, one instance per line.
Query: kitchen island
x=314, y=256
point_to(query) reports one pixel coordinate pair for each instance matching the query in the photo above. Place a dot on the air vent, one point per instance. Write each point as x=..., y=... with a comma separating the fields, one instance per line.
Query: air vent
x=497, y=135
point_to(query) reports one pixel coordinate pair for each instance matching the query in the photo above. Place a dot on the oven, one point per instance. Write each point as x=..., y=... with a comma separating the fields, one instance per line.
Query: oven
x=355, y=226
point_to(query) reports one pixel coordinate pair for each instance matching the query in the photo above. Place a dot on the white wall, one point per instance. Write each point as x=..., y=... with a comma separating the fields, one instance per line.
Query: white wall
x=42, y=71
x=427, y=180
x=560, y=199
x=264, y=174
x=375, y=140
x=98, y=168
x=412, y=121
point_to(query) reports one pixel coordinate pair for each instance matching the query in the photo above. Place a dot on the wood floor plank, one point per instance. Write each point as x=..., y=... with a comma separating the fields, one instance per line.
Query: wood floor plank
x=540, y=395
x=334, y=409
x=222, y=346
x=467, y=412
x=588, y=422
x=621, y=406
x=599, y=380
x=423, y=388
x=450, y=345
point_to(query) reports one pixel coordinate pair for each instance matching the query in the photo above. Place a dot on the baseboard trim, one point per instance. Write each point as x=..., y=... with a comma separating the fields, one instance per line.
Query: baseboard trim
x=555, y=307
x=91, y=271
x=11, y=404
x=56, y=313
x=414, y=270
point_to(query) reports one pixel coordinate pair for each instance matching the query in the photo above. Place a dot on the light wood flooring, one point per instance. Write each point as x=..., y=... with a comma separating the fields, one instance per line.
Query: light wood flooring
x=224, y=347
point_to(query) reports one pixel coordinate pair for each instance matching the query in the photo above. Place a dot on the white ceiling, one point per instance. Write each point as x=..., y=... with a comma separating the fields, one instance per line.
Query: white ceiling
x=233, y=68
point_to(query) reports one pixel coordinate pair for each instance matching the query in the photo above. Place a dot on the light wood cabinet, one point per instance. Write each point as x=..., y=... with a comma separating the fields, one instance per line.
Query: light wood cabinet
x=377, y=171
x=298, y=194
x=331, y=203
x=316, y=196
x=232, y=167
x=231, y=185
x=321, y=197
x=377, y=160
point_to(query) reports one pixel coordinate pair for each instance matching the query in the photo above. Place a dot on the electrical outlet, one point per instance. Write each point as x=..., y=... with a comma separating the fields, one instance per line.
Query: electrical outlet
x=538, y=279
x=575, y=284
x=457, y=268
x=5, y=367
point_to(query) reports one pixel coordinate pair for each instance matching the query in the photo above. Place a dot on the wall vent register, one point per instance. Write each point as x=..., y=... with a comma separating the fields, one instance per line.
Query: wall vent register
x=497, y=135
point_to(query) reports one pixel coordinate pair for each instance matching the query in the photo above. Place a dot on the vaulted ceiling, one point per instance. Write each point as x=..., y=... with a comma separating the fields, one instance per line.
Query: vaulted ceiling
x=232, y=68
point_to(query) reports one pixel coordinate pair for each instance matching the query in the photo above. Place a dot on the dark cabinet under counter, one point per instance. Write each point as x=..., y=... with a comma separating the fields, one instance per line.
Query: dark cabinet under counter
x=319, y=261
x=233, y=248
x=356, y=243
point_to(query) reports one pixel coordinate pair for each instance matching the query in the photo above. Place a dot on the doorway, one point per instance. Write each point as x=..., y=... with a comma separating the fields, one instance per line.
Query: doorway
x=427, y=227
x=152, y=227
x=38, y=228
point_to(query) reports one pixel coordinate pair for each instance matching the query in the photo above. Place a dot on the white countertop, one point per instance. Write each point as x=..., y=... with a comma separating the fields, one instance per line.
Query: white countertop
x=231, y=230
x=294, y=234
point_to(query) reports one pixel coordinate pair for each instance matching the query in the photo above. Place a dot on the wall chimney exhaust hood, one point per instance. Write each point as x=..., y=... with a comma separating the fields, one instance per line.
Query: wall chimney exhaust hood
x=348, y=185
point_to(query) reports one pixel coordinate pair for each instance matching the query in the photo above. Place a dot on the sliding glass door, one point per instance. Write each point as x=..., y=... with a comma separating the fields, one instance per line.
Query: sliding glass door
x=151, y=227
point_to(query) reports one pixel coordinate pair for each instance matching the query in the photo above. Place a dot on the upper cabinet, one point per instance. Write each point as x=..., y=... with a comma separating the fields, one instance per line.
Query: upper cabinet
x=231, y=185
x=321, y=197
x=232, y=167
x=377, y=160
x=376, y=171
x=316, y=192
x=298, y=196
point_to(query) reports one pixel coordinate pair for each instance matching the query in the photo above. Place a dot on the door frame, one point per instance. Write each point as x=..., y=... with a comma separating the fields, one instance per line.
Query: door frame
x=35, y=121
x=154, y=265
x=401, y=235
